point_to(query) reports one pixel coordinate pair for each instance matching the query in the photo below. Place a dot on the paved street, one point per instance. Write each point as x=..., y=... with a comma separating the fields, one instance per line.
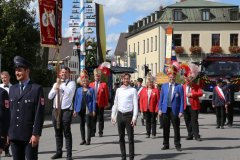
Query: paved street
x=217, y=144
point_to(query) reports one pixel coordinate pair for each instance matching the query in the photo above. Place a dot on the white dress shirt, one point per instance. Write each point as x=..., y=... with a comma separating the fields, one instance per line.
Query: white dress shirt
x=126, y=100
x=6, y=88
x=67, y=92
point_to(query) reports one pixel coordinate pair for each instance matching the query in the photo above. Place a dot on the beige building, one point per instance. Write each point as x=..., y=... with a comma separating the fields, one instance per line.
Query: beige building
x=200, y=27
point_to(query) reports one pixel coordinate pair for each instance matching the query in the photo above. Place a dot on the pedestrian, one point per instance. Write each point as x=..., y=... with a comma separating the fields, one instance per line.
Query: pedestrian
x=220, y=102
x=5, y=77
x=149, y=98
x=192, y=92
x=62, y=93
x=27, y=107
x=85, y=106
x=5, y=119
x=101, y=94
x=139, y=88
x=171, y=108
x=124, y=113
x=231, y=89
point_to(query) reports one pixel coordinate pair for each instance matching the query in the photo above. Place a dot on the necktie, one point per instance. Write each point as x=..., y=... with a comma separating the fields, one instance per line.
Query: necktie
x=96, y=88
x=170, y=95
x=21, y=88
x=188, y=91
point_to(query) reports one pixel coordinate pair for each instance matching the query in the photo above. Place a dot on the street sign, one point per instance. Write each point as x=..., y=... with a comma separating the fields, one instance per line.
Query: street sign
x=161, y=78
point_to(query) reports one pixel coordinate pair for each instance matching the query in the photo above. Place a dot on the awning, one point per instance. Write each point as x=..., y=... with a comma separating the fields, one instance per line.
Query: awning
x=118, y=70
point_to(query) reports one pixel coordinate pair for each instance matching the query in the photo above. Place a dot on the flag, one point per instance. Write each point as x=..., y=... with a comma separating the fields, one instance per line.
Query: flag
x=100, y=31
x=50, y=15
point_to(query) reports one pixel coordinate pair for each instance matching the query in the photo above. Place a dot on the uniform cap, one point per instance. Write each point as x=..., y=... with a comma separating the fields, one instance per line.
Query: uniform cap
x=21, y=62
x=97, y=71
x=171, y=70
x=140, y=80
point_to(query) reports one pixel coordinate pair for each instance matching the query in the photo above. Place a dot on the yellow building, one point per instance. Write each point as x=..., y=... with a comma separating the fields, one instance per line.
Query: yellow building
x=199, y=27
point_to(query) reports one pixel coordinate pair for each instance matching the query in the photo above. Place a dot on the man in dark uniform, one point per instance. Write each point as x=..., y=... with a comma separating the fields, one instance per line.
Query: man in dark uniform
x=139, y=88
x=62, y=120
x=230, y=88
x=27, y=113
x=4, y=116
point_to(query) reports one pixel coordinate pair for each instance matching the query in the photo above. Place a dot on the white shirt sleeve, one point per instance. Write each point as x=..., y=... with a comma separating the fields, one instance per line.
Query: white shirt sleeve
x=135, y=105
x=52, y=92
x=115, y=106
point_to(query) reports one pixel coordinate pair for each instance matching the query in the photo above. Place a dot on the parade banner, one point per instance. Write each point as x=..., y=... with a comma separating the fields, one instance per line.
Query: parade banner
x=50, y=15
x=169, y=33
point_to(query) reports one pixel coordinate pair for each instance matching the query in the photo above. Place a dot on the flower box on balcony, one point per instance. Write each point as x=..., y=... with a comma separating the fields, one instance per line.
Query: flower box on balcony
x=216, y=49
x=234, y=49
x=179, y=49
x=195, y=50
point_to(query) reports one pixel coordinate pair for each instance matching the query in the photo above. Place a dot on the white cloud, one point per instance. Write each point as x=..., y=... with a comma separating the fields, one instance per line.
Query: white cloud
x=113, y=21
x=67, y=32
x=34, y=6
x=112, y=38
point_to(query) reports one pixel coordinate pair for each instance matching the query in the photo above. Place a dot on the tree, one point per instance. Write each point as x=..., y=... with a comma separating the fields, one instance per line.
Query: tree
x=19, y=35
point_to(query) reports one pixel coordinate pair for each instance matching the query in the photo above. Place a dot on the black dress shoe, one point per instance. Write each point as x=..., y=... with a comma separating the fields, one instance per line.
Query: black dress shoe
x=83, y=142
x=147, y=136
x=8, y=155
x=87, y=143
x=198, y=139
x=189, y=138
x=165, y=148
x=56, y=156
x=222, y=127
x=218, y=127
x=178, y=149
x=100, y=135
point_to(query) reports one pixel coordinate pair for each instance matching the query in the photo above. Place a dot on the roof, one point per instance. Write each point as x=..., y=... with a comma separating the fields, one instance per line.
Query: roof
x=64, y=50
x=199, y=3
x=118, y=70
x=121, y=47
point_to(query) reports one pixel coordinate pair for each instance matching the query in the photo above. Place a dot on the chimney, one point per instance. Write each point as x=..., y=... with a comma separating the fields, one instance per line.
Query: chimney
x=161, y=7
x=182, y=0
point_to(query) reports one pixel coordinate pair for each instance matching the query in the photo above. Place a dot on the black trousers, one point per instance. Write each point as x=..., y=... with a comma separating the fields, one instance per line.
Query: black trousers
x=23, y=150
x=100, y=118
x=65, y=128
x=151, y=122
x=167, y=118
x=124, y=122
x=230, y=113
x=191, y=121
x=220, y=114
x=85, y=118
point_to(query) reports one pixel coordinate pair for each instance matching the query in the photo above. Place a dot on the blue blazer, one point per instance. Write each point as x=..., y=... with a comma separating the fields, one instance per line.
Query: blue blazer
x=90, y=99
x=177, y=99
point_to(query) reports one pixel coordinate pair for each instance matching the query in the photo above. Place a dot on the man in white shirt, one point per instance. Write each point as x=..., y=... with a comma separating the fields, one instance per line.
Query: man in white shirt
x=124, y=113
x=66, y=89
x=5, y=77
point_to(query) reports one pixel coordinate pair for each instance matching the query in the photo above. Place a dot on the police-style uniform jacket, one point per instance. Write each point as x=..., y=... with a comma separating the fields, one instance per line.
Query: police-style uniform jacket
x=90, y=100
x=4, y=115
x=27, y=111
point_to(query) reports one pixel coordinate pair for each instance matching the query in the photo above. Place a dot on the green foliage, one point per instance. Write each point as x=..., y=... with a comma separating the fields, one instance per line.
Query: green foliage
x=19, y=35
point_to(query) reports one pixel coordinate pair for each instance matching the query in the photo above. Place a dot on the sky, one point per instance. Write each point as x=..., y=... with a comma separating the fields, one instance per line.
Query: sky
x=119, y=14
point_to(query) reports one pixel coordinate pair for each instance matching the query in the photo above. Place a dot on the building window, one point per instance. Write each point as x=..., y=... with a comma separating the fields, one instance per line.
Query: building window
x=129, y=49
x=151, y=44
x=147, y=45
x=177, y=39
x=151, y=68
x=195, y=40
x=233, y=39
x=134, y=48
x=206, y=15
x=143, y=46
x=234, y=14
x=155, y=69
x=177, y=15
x=138, y=70
x=215, y=39
x=155, y=43
x=138, y=48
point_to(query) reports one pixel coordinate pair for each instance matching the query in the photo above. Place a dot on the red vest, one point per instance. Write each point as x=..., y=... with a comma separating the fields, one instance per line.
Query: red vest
x=194, y=100
x=102, y=94
x=153, y=101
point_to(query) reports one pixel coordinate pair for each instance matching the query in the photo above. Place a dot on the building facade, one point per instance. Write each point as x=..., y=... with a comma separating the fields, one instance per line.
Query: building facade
x=199, y=27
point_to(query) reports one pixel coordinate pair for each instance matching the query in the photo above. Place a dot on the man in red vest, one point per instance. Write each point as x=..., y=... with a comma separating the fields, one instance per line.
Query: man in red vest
x=101, y=92
x=192, y=92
